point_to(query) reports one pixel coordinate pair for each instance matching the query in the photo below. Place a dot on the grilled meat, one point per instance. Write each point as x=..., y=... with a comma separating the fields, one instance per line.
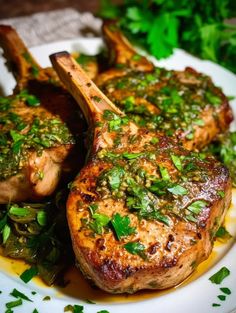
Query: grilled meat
x=41, y=128
x=184, y=104
x=143, y=211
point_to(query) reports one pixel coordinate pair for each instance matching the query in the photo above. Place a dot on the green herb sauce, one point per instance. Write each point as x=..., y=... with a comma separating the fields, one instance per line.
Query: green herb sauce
x=180, y=103
x=19, y=136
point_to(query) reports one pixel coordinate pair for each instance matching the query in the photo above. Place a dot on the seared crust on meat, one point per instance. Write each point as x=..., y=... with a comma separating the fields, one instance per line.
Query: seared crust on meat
x=173, y=251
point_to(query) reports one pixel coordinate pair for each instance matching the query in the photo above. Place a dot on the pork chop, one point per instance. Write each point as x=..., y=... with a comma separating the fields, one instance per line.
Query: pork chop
x=41, y=128
x=185, y=104
x=143, y=211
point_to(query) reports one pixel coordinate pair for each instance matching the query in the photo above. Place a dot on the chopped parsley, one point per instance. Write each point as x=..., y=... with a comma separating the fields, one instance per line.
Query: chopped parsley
x=196, y=207
x=115, y=122
x=164, y=173
x=98, y=223
x=178, y=190
x=16, y=143
x=114, y=177
x=135, y=248
x=177, y=161
x=131, y=156
x=74, y=308
x=226, y=290
x=121, y=225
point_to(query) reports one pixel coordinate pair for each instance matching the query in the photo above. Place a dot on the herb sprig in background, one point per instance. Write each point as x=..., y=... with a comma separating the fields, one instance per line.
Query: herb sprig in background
x=201, y=27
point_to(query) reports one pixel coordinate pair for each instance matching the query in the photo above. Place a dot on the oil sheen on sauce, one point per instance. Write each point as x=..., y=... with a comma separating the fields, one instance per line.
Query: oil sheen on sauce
x=80, y=289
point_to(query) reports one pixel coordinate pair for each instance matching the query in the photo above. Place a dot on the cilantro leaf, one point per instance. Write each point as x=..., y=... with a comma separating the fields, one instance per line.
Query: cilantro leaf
x=121, y=225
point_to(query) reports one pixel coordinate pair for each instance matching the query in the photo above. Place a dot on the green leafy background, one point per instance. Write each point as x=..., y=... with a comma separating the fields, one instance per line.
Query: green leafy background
x=202, y=27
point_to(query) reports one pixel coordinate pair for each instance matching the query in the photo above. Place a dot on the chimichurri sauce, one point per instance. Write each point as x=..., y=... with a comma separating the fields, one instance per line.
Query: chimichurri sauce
x=179, y=99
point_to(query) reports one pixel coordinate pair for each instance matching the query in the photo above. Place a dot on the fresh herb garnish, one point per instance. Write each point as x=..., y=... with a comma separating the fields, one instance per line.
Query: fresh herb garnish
x=78, y=308
x=218, y=277
x=114, y=177
x=177, y=161
x=14, y=304
x=164, y=173
x=135, y=248
x=226, y=290
x=196, y=207
x=31, y=100
x=131, y=156
x=98, y=222
x=47, y=298
x=139, y=200
x=121, y=225
x=17, y=294
x=178, y=190
x=161, y=26
x=221, y=297
x=115, y=122
x=28, y=274
x=223, y=233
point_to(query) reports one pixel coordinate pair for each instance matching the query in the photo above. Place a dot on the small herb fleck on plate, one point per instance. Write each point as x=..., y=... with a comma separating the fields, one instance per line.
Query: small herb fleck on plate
x=28, y=274
x=218, y=277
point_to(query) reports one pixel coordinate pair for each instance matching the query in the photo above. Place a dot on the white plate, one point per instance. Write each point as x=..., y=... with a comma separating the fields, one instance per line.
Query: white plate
x=194, y=296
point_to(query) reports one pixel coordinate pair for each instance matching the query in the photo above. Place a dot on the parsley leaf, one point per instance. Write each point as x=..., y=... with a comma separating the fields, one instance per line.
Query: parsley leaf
x=121, y=225
x=178, y=190
x=160, y=26
x=197, y=206
x=114, y=177
x=135, y=248
x=99, y=221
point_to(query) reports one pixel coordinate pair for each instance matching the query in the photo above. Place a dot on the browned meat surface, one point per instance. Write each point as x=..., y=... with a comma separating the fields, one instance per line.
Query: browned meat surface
x=184, y=104
x=41, y=128
x=143, y=211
